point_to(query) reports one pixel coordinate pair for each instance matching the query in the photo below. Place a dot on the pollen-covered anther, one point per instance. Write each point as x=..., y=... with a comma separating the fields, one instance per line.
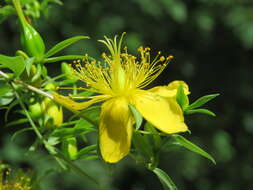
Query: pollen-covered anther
x=162, y=58
x=170, y=57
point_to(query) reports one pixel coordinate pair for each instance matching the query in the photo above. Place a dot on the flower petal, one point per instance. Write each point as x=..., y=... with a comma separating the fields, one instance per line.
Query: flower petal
x=115, y=129
x=170, y=90
x=76, y=106
x=164, y=114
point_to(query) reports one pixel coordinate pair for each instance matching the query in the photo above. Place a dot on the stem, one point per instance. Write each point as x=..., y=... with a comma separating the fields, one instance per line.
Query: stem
x=32, y=88
x=28, y=115
x=20, y=13
x=75, y=168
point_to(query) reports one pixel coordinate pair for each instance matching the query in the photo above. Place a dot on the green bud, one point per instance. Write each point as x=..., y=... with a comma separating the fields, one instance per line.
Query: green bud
x=72, y=148
x=30, y=38
x=35, y=110
x=68, y=71
x=50, y=86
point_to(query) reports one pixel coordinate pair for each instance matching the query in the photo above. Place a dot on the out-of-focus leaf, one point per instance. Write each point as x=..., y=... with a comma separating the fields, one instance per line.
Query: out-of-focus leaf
x=93, y=157
x=180, y=140
x=5, y=12
x=177, y=9
x=61, y=45
x=165, y=180
x=16, y=64
x=137, y=116
x=19, y=132
x=201, y=101
x=203, y=111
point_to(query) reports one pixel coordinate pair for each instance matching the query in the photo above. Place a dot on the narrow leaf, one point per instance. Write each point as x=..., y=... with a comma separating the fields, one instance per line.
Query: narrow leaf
x=17, y=122
x=86, y=150
x=137, y=116
x=201, y=101
x=65, y=57
x=63, y=44
x=180, y=140
x=165, y=180
x=203, y=111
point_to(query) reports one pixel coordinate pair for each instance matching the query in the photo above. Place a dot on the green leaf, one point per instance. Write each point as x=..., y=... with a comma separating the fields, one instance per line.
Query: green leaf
x=203, y=111
x=180, y=140
x=63, y=44
x=16, y=64
x=28, y=64
x=137, y=116
x=181, y=98
x=81, y=127
x=5, y=88
x=8, y=98
x=165, y=180
x=17, y=122
x=201, y=101
x=65, y=57
x=86, y=150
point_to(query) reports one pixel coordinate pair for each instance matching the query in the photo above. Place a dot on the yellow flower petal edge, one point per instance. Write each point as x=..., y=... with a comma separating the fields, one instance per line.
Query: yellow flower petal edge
x=170, y=91
x=164, y=114
x=76, y=106
x=115, y=130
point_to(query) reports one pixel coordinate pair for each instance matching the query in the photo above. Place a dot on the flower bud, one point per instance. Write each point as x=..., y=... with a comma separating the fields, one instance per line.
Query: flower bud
x=30, y=38
x=35, y=110
x=70, y=147
x=68, y=71
x=54, y=111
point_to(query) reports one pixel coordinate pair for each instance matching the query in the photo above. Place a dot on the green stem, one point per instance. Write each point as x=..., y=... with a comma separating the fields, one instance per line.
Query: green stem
x=62, y=58
x=19, y=10
x=27, y=114
x=75, y=168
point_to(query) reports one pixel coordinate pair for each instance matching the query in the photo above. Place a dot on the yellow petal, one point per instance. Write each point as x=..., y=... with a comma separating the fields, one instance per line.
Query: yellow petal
x=76, y=106
x=115, y=130
x=164, y=114
x=170, y=90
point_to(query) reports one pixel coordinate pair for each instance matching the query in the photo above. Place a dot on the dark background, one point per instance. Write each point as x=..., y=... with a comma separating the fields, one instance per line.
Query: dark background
x=212, y=42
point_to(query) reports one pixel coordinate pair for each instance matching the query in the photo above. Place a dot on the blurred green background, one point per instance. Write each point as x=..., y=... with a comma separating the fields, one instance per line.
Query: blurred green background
x=212, y=42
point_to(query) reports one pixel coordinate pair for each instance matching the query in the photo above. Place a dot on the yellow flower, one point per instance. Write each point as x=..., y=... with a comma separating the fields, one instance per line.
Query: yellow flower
x=119, y=81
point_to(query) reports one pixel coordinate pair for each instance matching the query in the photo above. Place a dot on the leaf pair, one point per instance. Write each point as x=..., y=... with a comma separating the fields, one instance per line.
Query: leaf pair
x=183, y=101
